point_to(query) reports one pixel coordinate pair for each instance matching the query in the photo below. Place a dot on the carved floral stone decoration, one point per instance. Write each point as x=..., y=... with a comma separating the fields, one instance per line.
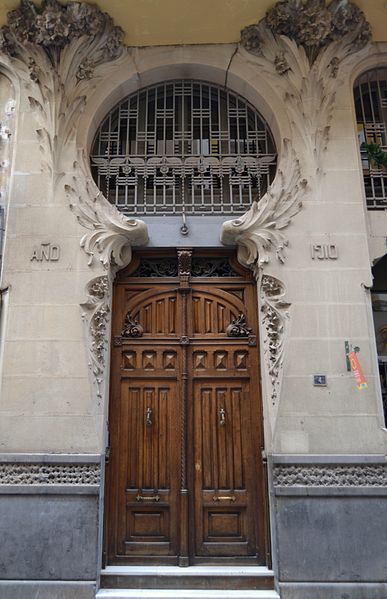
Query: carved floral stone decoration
x=259, y=231
x=60, y=53
x=326, y=475
x=274, y=316
x=302, y=46
x=50, y=474
x=96, y=314
x=56, y=49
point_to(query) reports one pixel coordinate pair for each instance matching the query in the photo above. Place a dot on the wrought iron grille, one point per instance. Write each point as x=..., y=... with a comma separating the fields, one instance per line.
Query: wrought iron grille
x=200, y=267
x=371, y=113
x=183, y=147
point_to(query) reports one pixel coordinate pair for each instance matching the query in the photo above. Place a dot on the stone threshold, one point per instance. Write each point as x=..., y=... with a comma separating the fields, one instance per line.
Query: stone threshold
x=188, y=571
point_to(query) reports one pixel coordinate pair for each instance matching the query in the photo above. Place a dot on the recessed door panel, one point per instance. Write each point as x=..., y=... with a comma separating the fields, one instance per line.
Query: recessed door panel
x=224, y=491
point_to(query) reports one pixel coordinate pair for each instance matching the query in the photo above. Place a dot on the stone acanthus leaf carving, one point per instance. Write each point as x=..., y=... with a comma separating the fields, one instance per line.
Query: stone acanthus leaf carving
x=131, y=327
x=96, y=315
x=56, y=49
x=111, y=235
x=330, y=475
x=302, y=46
x=274, y=315
x=314, y=25
x=49, y=474
x=259, y=231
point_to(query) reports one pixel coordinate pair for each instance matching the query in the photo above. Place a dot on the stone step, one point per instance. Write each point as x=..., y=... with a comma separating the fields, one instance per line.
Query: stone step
x=183, y=594
x=238, y=578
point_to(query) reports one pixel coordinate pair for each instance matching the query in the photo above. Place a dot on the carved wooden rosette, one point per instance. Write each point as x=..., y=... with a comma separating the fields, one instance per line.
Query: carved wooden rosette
x=131, y=327
x=238, y=328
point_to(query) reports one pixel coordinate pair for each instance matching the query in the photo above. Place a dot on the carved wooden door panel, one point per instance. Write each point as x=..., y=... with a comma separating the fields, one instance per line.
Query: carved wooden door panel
x=145, y=446
x=226, y=438
x=185, y=482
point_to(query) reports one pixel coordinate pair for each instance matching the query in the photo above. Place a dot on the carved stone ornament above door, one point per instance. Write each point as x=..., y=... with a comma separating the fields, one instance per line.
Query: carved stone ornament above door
x=60, y=52
x=259, y=231
x=304, y=47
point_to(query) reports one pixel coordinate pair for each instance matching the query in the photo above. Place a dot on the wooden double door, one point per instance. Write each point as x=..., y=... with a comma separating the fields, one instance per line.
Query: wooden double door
x=185, y=478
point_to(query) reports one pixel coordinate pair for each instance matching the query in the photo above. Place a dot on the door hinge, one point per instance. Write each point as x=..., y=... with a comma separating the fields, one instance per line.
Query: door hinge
x=107, y=454
x=264, y=456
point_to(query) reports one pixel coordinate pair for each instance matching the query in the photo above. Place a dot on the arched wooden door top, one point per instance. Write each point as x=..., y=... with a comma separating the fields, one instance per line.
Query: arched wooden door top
x=185, y=483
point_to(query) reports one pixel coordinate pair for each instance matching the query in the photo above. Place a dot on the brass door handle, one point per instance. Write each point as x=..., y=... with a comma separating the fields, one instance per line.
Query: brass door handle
x=222, y=417
x=224, y=498
x=148, y=417
x=151, y=498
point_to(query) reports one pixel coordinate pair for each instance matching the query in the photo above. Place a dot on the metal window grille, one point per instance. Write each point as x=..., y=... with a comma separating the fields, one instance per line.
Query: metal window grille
x=371, y=113
x=183, y=147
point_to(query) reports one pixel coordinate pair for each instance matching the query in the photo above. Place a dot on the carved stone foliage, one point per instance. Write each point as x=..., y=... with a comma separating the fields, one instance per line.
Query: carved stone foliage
x=56, y=49
x=96, y=314
x=302, y=46
x=259, y=231
x=274, y=315
x=49, y=474
x=111, y=235
x=314, y=25
x=327, y=475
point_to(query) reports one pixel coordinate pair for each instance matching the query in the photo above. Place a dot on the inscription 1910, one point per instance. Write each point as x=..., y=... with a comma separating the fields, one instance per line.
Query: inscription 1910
x=324, y=251
x=50, y=252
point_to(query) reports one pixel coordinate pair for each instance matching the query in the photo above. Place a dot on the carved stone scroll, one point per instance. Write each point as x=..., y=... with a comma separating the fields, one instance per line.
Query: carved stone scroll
x=111, y=235
x=259, y=231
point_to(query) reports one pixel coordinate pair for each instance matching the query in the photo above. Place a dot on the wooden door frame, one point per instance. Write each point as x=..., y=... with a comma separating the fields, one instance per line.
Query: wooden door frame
x=259, y=422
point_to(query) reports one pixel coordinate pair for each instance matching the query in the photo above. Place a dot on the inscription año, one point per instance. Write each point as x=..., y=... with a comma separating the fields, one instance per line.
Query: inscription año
x=48, y=252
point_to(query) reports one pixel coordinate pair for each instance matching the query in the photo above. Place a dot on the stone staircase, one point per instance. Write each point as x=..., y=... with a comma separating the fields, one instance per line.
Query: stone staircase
x=195, y=582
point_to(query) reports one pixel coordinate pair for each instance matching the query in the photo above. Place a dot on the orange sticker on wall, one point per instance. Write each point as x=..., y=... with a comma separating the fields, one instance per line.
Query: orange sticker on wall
x=357, y=371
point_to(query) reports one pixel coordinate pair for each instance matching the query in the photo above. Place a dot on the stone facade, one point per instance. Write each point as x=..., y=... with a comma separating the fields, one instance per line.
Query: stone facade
x=67, y=66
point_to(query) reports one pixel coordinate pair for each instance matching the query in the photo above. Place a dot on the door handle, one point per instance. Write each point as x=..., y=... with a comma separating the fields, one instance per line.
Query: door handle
x=148, y=417
x=222, y=417
x=148, y=498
